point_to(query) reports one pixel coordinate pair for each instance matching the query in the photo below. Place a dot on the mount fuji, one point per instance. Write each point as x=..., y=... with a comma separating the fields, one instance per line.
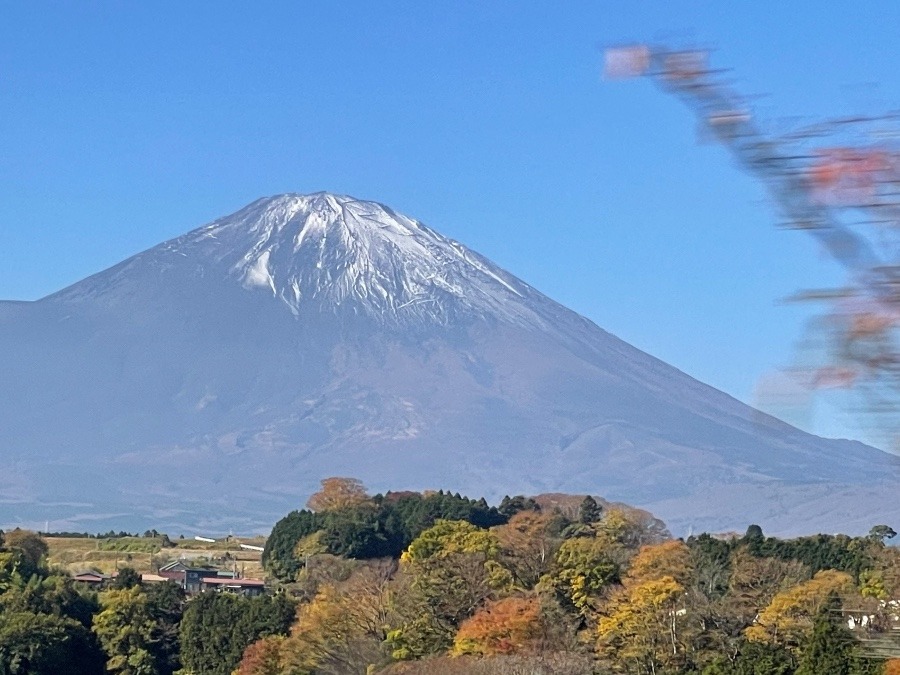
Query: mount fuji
x=212, y=381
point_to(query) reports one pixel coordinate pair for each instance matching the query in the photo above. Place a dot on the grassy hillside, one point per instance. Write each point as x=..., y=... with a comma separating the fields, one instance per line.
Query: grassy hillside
x=148, y=554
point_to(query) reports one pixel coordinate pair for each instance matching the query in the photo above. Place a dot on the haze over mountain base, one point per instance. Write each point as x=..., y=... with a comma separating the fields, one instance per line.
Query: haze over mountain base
x=209, y=383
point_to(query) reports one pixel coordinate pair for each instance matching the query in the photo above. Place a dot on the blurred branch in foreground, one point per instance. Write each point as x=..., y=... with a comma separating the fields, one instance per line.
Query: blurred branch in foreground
x=837, y=180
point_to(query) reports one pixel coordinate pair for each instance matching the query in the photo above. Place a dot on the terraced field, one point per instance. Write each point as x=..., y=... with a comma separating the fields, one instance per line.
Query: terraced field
x=148, y=554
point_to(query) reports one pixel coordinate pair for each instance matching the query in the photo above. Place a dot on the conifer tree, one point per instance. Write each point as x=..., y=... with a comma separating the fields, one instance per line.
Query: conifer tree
x=829, y=648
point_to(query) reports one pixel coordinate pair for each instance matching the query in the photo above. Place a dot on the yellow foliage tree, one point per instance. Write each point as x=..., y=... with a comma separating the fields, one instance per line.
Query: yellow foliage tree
x=643, y=622
x=668, y=559
x=342, y=630
x=640, y=625
x=447, y=537
x=451, y=569
x=582, y=570
x=628, y=528
x=789, y=616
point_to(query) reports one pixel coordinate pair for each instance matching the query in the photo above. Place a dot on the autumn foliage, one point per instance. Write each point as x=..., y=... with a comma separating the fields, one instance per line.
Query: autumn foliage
x=505, y=626
x=439, y=583
x=790, y=614
x=263, y=657
x=338, y=493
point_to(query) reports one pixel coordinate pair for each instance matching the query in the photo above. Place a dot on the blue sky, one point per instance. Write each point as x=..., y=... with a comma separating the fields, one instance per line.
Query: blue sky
x=125, y=124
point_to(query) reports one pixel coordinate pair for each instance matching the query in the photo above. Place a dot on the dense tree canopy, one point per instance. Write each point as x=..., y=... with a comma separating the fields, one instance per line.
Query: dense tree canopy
x=383, y=526
x=551, y=584
x=218, y=627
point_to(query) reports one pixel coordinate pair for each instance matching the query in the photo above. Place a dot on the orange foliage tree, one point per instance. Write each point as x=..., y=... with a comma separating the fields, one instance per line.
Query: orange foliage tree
x=506, y=626
x=338, y=493
x=263, y=657
x=671, y=558
x=527, y=546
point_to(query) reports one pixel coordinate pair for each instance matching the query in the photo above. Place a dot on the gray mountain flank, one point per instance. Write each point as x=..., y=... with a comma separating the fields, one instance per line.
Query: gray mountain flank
x=210, y=382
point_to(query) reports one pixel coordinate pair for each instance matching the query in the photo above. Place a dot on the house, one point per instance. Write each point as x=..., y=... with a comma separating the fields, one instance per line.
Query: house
x=249, y=587
x=93, y=579
x=188, y=576
x=205, y=578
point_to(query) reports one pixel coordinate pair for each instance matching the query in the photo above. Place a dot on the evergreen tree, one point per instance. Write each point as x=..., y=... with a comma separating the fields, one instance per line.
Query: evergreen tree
x=127, y=577
x=829, y=648
x=165, y=604
x=589, y=511
x=218, y=627
x=754, y=658
x=46, y=644
x=510, y=506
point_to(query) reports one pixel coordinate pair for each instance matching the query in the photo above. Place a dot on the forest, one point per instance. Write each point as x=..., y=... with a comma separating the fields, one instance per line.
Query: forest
x=414, y=583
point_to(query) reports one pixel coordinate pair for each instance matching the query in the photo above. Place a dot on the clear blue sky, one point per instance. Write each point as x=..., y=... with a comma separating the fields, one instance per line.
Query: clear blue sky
x=125, y=124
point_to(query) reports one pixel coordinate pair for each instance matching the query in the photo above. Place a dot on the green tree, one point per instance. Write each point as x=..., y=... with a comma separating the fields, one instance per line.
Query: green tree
x=447, y=537
x=54, y=594
x=127, y=577
x=510, y=506
x=30, y=543
x=29, y=550
x=278, y=555
x=589, y=511
x=582, y=570
x=45, y=644
x=881, y=532
x=754, y=658
x=754, y=534
x=217, y=627
x=449, y=571
x=829, y=648
x=356, y=532
x=165, y=604
x=125, y=630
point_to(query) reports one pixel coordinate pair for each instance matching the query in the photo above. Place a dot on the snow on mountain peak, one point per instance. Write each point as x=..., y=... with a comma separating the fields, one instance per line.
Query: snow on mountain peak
x=336, y=253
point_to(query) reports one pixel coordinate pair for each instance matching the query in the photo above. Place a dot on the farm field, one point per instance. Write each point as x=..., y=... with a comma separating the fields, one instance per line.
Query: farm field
x=148, y=554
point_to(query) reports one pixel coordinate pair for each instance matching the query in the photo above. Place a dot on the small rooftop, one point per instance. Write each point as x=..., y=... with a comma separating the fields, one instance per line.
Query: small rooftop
x=218, y=581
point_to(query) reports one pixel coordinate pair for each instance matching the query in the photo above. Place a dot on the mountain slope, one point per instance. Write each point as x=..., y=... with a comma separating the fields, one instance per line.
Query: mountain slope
x=211, y=381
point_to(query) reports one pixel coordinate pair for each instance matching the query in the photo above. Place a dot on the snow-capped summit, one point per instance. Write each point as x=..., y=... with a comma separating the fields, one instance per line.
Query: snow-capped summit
x=331, y=250
x=214, y=379
x=334, y=252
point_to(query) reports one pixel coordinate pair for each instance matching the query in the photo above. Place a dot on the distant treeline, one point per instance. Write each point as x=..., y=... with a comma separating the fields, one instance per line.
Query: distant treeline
x=112, y=534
